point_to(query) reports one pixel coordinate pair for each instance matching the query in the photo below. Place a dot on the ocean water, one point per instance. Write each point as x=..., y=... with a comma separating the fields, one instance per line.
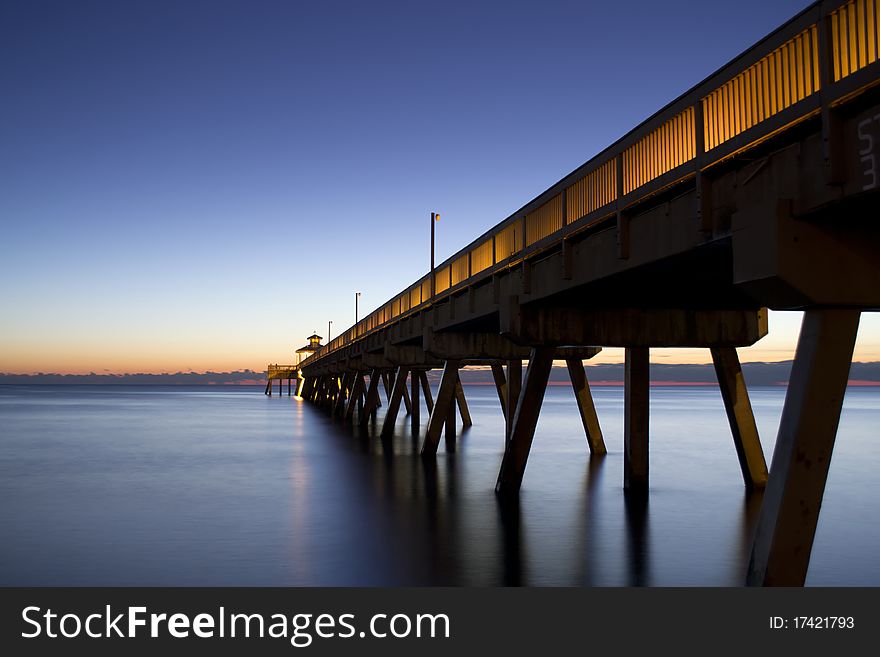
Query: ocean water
x=119, y=485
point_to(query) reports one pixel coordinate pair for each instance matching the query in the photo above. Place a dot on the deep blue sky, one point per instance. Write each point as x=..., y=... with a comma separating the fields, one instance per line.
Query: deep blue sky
x=202, y=184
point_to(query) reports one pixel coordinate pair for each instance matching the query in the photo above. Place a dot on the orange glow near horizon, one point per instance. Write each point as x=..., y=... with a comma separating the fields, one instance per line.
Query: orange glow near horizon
x=84, y=354
x=171, y=363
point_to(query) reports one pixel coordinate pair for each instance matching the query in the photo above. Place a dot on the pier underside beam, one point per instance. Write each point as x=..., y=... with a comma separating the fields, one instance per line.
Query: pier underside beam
x=740, y=417
x=397, y=391
x=585, y=404
x=411, y=356
x=813, y=401
x=487, y=347
x=627, y=327
x=635, y=421
x=442, y=405
x=528, y=407
x=471, y=346
x=376, y=362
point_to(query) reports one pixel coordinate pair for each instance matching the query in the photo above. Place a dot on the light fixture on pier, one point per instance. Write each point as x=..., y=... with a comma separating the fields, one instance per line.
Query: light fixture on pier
x=434, y=217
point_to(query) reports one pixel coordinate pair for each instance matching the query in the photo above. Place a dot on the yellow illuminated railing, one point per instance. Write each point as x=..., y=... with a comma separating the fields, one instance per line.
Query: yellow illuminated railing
x=595, y=190
x=854, y=36
x=460, y=269
x=508, y=241
x=281, y=369
x=785, y=76
x=669, y=146
x=760, y=96
x=441, y=279
x=482, y=257
x=544, y=221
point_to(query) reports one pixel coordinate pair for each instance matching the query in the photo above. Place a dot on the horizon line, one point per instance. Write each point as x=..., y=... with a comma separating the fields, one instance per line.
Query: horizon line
x=556, y=363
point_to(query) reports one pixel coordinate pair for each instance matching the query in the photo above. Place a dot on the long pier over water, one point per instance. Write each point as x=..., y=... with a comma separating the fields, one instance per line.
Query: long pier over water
x=756, y=189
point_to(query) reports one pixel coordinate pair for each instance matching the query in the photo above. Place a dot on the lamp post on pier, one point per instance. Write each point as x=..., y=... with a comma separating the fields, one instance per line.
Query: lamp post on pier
x=328, y=330
x=434, y=217
x=356, y=295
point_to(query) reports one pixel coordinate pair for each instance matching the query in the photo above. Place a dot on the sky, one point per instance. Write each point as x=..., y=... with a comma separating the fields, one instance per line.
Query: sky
x=200, y=185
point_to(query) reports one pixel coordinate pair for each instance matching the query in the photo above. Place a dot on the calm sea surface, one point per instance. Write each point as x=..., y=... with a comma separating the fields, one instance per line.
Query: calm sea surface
x=105, y=485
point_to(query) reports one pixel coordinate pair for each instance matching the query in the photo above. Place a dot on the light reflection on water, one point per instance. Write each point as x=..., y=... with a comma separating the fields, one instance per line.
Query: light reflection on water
x=208, y=486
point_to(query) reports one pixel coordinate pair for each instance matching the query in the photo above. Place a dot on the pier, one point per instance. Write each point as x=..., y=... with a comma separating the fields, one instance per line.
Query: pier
x=281, y=373
x=755, y=189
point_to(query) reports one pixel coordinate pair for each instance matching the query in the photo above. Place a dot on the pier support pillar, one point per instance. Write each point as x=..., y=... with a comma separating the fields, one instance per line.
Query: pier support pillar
x=288, y=387
x=445, y=400
x=357, y=391
x=500, y=387
x=461, y=402
x=514, y=384
x=394, y=401
x=414, y=394
x=426, y=391
x=321, y=392
x=344, y=390
x=450, y=428
x=372, y=400
x=585, y=404
x=637, y=386
x=740, y=416
x=790, y=510
x=332, y=388
x=407, y=402
x=331, y=393
x=387, y=383
x=525, y=419
x=268, y=387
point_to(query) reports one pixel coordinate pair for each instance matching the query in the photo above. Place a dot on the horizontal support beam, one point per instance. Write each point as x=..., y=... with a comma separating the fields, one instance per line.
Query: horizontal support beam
x=410, y=356
x=461, y=346
x=625, y=327
x=486, y=348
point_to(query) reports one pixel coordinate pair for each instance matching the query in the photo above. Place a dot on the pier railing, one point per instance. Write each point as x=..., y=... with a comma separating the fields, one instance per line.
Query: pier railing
x=282, y=369
x=814, y=61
